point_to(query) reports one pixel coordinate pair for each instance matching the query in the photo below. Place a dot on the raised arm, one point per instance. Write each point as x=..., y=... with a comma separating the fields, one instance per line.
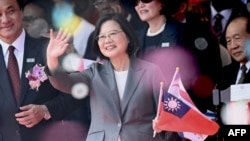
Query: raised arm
x=57, y=47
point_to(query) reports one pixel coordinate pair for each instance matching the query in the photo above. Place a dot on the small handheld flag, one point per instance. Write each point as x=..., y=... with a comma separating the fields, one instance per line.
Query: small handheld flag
x=158, y=110
x=177, y=112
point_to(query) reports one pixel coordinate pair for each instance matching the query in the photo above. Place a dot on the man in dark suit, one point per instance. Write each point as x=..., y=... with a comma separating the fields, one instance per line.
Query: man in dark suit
x=24, y=116
x=238, y=39
x=229, y=9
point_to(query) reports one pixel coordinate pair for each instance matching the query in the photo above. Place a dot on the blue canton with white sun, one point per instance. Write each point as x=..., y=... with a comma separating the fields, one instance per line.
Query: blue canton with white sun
x=174, y=106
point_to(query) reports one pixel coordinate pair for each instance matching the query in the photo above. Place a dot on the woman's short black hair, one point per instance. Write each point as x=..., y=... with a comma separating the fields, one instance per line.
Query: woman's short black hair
x=133, y=45
x=169, y=7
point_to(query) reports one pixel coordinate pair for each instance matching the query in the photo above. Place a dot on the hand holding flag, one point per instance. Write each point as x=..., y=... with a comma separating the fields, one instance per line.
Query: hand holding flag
x=177, y=112
x=155, y=121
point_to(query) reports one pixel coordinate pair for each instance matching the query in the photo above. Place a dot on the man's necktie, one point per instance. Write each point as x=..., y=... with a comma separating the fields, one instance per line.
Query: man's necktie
x=243, y=74
x=13, y=72
x=218, y=25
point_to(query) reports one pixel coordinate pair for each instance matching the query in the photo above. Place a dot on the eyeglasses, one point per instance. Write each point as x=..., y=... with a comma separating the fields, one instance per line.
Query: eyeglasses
x=100, y=3
x=111, y=35
x=144, y=1
x=30, y=18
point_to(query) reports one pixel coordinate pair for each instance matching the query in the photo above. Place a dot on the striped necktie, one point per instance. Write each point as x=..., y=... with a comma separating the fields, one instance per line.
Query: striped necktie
x=243, y=74
x=218, y=25
x=13, y=72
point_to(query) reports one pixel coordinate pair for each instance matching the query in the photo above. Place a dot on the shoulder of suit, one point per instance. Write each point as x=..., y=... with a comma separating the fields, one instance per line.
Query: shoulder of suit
x=139, y=63
x=37, y=40
x=232, y=66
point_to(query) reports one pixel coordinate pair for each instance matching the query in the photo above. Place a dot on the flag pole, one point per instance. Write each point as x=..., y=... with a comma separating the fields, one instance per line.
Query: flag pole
x=160, y=95
x=176, y=71
x=159, y=101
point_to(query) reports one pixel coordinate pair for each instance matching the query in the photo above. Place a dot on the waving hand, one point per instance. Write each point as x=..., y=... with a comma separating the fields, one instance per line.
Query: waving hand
x=57, y=46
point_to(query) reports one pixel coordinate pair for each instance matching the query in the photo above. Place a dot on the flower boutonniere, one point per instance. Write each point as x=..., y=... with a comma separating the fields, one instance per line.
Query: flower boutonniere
x=36, y=76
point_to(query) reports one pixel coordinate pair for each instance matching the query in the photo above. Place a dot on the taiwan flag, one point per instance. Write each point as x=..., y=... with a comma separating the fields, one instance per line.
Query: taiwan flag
x=177, y=112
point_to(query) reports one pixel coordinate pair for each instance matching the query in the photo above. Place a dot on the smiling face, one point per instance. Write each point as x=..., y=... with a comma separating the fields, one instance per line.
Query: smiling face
x=236, y=36
x=112, y=40
x=10, y=20
x=148, y=11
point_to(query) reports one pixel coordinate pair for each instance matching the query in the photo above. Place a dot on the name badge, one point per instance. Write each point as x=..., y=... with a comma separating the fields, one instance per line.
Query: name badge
x=30, y=60
x=165, y=44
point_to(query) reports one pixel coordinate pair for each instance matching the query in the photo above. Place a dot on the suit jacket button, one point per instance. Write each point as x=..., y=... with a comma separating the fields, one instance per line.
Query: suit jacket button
x=17, y=132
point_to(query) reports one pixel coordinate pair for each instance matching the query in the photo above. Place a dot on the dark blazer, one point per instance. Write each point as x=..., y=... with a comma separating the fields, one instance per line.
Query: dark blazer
x=199, y=39
x=238, y=9
x=227, y=78
x=58, y=104
x=229, y=75
x=131, y=117
x=171, y=36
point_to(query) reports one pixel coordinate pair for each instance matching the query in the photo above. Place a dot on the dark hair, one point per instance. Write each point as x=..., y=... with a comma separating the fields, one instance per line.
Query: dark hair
x=248, y=25
x=166, y=10
x=105, y=0
x=169, y=7
x=80, y=6
x=45, y=6
x=245, y=18
x=20, y=4
x=133, y=45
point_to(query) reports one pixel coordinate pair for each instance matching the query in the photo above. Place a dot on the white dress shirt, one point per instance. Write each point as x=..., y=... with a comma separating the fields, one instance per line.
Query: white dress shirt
x=225, y=13
x=19, y=50
x=81, y=36
x=240, y=71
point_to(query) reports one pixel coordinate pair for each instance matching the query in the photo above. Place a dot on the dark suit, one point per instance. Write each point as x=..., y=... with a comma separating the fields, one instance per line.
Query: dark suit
x=199, y=39
x=57, y=103
x=171, y=36
x=207, y=51
x=131, y=117
x=228, y=77
x=238, y=8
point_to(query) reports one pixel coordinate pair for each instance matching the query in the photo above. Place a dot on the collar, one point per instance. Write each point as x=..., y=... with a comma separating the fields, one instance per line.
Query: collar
x=18, y=43
x=247, y=65
x=225, y=13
